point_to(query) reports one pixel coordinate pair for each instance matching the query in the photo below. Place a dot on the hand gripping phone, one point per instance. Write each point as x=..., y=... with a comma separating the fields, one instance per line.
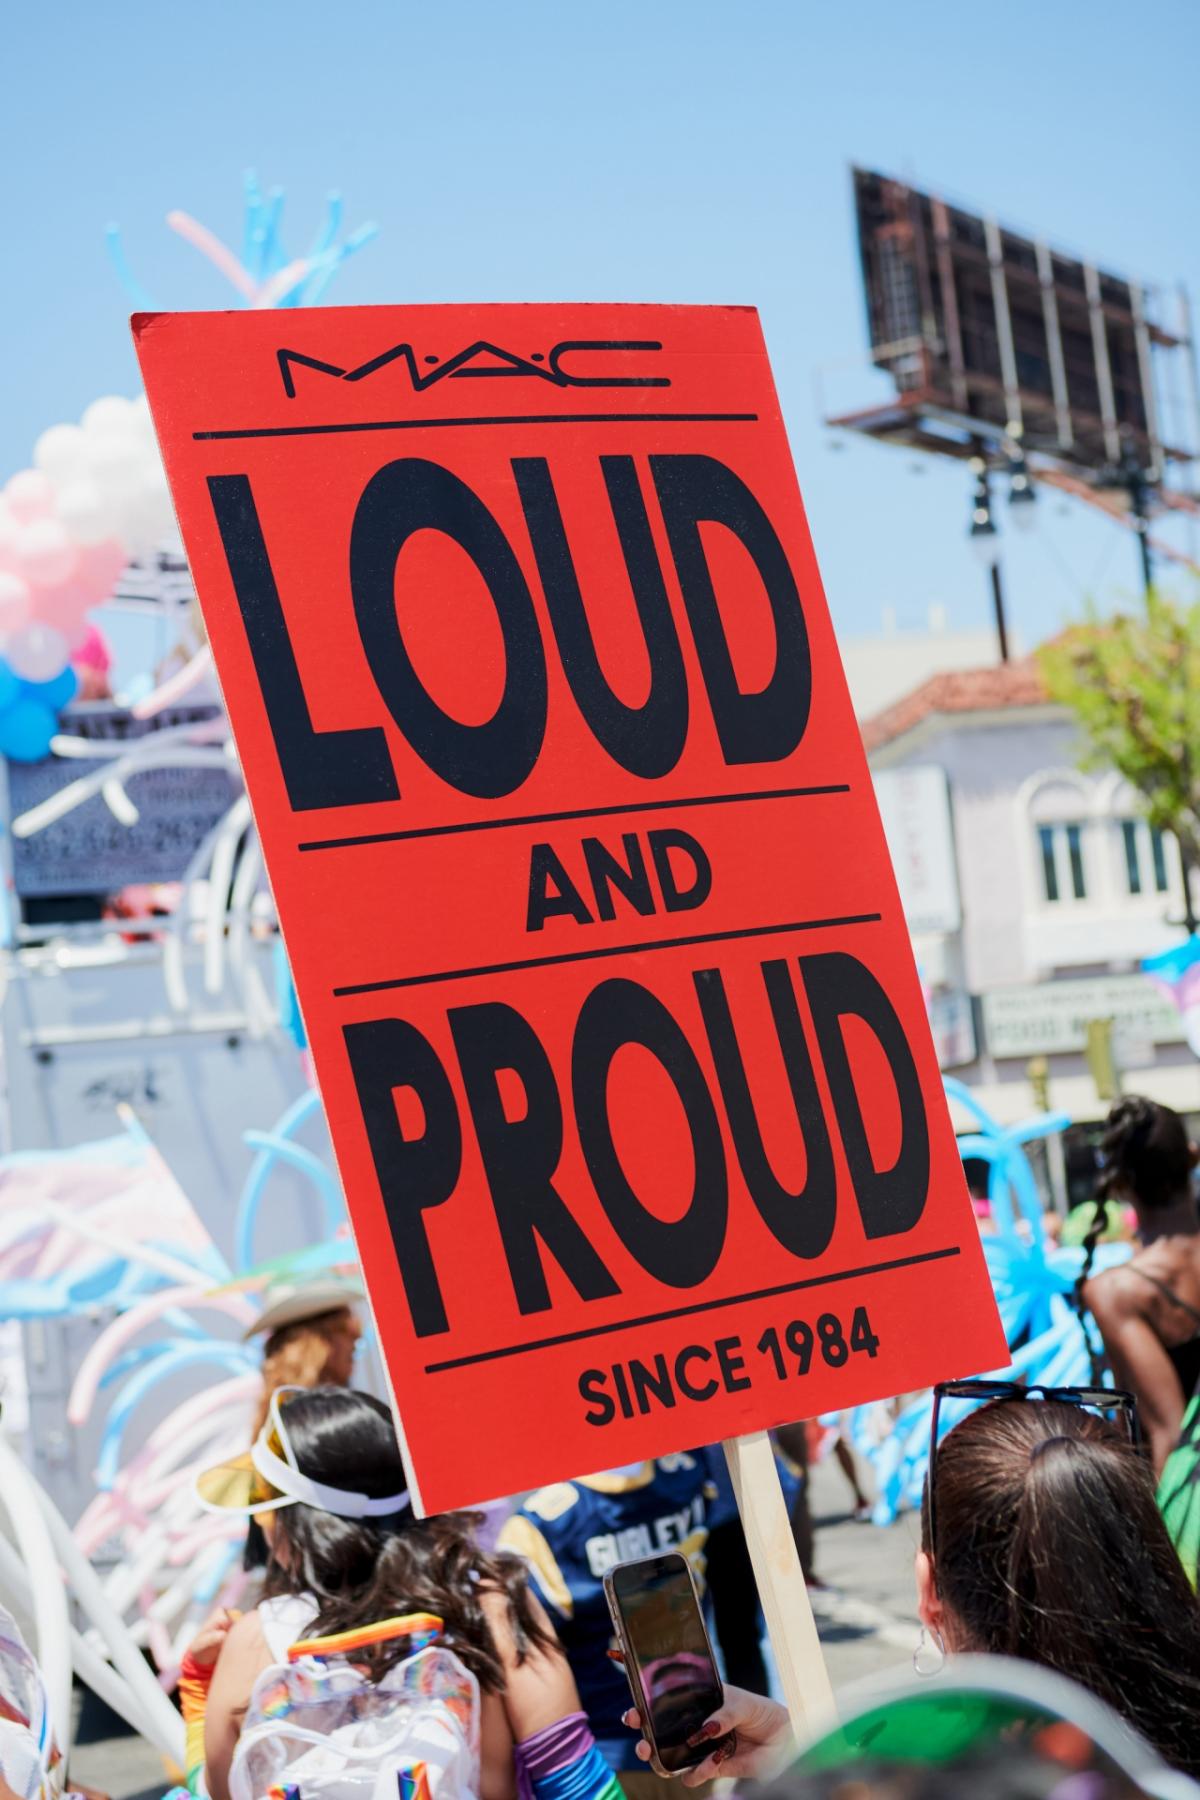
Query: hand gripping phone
x=668, y=1657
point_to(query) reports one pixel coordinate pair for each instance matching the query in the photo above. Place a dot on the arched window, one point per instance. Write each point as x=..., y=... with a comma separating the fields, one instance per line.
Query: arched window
x=1145, y=862
x=1059, y=806
x=1145, y=853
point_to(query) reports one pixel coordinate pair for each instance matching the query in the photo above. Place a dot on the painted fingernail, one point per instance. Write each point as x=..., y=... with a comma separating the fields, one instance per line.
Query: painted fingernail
x=710, y=1729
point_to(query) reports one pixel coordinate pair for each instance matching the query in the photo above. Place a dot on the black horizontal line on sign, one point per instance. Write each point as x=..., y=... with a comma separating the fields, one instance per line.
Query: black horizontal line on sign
x=576, y=956
x=581, y=812
x=686, y=1312
x=665, y=418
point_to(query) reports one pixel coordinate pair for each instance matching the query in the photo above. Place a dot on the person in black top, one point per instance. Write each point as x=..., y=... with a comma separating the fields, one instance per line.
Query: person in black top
x=1148, y=1309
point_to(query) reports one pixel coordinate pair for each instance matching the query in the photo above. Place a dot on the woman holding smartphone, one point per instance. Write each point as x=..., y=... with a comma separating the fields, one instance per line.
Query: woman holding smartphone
x=1040, y=1539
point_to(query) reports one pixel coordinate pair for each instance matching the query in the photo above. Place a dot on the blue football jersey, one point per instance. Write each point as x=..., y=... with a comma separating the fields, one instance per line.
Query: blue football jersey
x=572, y=1532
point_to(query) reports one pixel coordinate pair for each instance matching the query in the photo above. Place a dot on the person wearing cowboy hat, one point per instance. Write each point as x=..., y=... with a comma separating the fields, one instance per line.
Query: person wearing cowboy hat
x=312, y=1333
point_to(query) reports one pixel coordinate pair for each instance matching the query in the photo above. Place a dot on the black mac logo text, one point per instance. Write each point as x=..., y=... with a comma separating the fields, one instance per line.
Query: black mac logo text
x=483, y=361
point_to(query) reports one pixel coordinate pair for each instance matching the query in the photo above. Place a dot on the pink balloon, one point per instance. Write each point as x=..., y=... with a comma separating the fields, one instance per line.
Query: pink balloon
x=29, y=495
x=99, y=566
x=16, y=603
x=10, y=531
x=91, y=651
x=64, y=606
x=45, y=554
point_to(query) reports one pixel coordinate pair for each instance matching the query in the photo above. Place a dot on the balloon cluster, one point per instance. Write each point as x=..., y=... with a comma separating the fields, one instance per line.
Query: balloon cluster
x=96, y=498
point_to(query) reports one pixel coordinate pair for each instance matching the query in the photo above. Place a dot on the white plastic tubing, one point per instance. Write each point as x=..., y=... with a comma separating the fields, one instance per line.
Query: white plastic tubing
x=100, y=1676
x=47, y=1598
x=46, y=1545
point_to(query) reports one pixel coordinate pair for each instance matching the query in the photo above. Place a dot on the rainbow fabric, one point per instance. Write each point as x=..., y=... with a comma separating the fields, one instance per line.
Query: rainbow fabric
x=420, y=1628
x=562, y=1762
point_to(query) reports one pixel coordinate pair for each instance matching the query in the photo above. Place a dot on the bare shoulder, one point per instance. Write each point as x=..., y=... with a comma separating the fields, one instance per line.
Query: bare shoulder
x=245, y=1633
x=1116, y=1294
x=244, y=1654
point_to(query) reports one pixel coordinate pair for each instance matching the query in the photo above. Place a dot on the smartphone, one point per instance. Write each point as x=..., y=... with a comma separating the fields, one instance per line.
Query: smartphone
x=668, y=1657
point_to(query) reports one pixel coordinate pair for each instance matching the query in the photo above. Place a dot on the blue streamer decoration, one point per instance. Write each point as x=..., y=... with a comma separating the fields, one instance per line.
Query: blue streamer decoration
x=263, y=253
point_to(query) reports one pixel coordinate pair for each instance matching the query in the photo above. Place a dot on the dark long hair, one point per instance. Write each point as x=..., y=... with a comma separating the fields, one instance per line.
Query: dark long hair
x=1145, y=1152
x=1051, y=1548
x=361, y=1571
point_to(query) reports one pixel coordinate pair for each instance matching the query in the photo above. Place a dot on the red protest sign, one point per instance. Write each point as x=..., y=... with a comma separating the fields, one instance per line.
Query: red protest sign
x=580, y=871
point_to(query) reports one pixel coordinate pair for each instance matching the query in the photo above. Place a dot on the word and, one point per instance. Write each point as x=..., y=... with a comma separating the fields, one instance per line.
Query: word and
x=521, y=1149
x=353, y=766
x=553, y=893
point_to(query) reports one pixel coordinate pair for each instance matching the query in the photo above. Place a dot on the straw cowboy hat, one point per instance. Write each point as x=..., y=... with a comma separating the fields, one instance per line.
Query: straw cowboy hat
x=288, y=1302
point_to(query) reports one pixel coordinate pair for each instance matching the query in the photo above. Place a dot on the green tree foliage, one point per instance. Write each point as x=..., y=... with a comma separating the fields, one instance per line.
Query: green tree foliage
x=1133, y=682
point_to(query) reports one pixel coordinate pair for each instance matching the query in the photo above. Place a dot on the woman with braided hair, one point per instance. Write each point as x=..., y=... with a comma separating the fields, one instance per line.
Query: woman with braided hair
x=1148, y=1309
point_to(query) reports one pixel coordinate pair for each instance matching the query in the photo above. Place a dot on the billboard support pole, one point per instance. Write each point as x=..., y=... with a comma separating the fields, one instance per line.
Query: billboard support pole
x=998, y=607
x=780, y=1581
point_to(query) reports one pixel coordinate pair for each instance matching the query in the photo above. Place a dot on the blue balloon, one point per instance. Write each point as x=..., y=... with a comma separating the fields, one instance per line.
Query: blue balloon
x=10, y=687
x=57, y=693
x=25, y=730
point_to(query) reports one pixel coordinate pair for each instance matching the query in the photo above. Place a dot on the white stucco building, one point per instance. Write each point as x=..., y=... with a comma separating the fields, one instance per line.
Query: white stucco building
x=1033, y=891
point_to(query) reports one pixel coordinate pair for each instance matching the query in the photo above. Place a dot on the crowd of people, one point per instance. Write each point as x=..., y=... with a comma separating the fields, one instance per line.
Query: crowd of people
x=1058, y=1529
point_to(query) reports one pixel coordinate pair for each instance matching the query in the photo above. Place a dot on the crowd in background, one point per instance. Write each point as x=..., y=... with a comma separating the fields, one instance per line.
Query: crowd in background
x=1059, y=1528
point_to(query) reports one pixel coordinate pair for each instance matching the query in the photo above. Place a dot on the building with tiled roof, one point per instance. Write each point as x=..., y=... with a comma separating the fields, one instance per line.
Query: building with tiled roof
x=958, y=691
x=1033, y=890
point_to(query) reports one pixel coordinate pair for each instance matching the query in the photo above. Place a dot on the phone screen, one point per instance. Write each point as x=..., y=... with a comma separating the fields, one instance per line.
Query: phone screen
x=665, y=1635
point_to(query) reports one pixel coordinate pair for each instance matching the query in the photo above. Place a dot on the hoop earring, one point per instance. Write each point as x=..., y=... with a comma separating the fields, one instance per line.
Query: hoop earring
x=929, y=1657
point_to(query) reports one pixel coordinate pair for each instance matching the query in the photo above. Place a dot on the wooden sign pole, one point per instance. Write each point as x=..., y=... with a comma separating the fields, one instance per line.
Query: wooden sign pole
x=781, y=1586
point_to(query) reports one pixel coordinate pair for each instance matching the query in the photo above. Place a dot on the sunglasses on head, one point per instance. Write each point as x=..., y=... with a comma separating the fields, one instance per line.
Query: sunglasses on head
x=1091, y=1399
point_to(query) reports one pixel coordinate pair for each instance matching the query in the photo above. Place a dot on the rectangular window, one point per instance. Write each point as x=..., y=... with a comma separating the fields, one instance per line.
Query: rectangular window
x=1133, y=870
x=1159, y=851
x=1075, y=852
x=1049, y=870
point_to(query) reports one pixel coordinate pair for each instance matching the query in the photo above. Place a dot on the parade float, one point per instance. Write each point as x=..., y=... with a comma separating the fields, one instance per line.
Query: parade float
x=167, y=1152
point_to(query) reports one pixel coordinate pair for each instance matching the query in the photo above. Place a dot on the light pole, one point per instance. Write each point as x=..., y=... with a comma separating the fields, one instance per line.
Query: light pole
x=982, y=534
x=1133, y=478
x=985, y=542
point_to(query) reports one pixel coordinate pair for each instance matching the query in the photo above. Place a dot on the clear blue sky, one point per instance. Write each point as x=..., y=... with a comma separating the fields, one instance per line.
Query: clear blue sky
x=637, y=150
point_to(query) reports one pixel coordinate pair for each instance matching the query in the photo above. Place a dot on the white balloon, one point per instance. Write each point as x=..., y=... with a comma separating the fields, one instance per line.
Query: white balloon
x=83, y=512
x=147, y=518
x=154, y=503
x=145, y=424
x=110, y=416
x=37, y=652
x=61, y=453
x=116, y=465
